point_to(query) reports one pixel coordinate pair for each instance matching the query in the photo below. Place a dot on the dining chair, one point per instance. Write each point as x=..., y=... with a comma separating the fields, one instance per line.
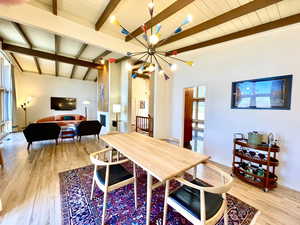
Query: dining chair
x=197, y=201
x=109, y=175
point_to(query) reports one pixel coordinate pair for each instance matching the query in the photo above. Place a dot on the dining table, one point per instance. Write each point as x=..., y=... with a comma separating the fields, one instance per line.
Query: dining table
x=158, y=158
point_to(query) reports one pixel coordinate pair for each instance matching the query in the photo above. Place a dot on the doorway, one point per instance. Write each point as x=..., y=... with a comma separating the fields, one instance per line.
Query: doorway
x=140, y=99
x=194, y=118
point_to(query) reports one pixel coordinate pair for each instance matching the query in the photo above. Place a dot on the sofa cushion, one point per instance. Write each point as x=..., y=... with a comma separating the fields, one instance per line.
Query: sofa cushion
x=69, y=118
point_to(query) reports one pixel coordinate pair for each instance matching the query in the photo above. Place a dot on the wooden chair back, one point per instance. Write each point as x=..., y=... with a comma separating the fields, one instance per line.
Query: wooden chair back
x=227, y=181
x=144, y=125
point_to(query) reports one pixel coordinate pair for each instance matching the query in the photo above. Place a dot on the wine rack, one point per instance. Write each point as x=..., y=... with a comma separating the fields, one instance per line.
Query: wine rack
x=255, y=164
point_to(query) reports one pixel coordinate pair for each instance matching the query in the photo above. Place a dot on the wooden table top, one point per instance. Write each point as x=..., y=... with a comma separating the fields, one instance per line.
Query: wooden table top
x=161, y=159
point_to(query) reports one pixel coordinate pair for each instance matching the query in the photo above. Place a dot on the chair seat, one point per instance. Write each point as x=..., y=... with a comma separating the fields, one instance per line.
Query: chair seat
x=189, y=199
x=117, y=174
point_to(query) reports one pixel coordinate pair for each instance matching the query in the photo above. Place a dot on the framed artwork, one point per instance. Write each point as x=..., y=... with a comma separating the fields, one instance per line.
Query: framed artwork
x=142, y=104
x=103, y=89
x=265, y=93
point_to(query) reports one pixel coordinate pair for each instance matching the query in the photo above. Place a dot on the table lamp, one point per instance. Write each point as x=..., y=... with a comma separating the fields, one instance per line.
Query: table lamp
x=86, y=103
x=116, y=110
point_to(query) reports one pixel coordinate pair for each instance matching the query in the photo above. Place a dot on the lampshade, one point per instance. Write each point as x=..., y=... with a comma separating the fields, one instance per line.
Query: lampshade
x=86, y=102
x=116, y=108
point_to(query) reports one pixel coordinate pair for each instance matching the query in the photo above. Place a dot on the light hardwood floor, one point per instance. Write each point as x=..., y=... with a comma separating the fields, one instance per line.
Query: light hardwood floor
x=29, y=184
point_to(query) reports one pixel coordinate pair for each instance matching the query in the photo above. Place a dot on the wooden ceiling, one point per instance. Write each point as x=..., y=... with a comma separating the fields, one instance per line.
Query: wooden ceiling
x=214, y=22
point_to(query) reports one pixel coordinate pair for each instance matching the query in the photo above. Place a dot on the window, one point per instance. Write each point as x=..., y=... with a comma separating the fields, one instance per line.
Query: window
x=268, y=93
x=5, y=95
x=199, y=94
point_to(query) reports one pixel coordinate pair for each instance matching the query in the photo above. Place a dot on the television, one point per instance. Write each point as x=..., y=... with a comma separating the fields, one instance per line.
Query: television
x=58, y=103
x=265, y=93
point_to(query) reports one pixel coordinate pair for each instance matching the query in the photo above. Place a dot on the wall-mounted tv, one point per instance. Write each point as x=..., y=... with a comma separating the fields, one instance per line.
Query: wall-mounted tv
x=58, y=103
x=266, y=93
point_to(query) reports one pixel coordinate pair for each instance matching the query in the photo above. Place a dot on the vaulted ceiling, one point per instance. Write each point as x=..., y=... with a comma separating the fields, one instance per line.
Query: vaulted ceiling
x=214, y=21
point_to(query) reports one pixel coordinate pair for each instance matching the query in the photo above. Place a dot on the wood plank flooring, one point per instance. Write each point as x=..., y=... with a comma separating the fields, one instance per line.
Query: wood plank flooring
x=29, y=184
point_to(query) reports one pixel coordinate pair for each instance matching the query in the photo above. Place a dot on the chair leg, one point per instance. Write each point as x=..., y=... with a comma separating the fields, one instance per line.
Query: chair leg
x=104, y=207
x=166, y=202
x=225, y=214
x=93, y=186
x=135, y=185
x=28, y=147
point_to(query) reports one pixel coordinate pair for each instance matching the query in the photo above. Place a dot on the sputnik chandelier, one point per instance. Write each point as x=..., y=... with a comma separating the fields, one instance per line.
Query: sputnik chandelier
x=152, y=42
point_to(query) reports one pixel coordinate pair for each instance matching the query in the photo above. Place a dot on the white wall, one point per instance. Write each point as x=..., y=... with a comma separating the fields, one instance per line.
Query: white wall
x=42, y=87
x=140, y=92
x=270, y=54
x=114, y=90
x=125, y=83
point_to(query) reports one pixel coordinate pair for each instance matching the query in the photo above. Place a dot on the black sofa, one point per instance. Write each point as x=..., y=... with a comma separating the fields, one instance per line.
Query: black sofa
x=91, y=127
x=40, y=132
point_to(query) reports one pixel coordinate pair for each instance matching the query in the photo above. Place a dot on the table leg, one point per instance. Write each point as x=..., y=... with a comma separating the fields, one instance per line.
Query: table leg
x=149, y=198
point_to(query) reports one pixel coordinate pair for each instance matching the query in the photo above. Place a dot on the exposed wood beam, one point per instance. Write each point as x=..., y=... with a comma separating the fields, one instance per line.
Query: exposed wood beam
x=37, y=65
x=81, y=50
x=56, y=47
x=54, y=7
x=56, y=38
x=50, y=56
x=87, y=74
x=243, y=33
x=122, y=59
x=28, y=42
x=228, y=16
x=103, y=54
x=172, y=9
x=21, y=32
x=16, y=61
x=106, y=13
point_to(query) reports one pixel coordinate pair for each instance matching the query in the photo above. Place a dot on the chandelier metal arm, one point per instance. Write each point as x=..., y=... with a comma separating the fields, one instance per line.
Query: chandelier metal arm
x=140, y=58
x=159, y=66
x=163, y=41
x=163, y=59
x=134, y=37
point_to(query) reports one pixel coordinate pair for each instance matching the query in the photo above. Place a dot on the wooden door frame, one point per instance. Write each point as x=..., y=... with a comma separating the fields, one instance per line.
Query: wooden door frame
x=181, y=140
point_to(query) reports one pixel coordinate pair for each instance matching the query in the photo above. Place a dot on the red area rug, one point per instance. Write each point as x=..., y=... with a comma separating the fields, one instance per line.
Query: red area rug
x=77, y=208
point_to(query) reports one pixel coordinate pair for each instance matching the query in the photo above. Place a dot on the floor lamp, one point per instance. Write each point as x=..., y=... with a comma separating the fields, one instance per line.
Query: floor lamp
x=24, y=106
x=86, y=103
x=116, y=110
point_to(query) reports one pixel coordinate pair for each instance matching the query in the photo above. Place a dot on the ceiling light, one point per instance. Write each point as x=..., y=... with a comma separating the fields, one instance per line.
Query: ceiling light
x=173, y=67
x=140, y=71
x=152, y=56
x=128, y=66
x=150, y=5
x=102, y=61
x=151, y=68
x=154, y=39
x=113, y=20
x=189, y=18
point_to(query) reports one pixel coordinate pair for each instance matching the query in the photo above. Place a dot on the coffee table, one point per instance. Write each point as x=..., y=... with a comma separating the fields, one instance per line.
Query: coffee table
x=68, y=131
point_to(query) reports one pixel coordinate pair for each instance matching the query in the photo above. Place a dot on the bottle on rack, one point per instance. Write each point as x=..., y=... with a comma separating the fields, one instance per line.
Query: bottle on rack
x=260, y=171
x=249, y=170
x=270, y=139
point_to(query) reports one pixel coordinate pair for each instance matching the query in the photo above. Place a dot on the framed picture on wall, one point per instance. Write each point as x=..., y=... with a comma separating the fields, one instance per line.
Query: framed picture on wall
x=265, y=93
x=142, y=104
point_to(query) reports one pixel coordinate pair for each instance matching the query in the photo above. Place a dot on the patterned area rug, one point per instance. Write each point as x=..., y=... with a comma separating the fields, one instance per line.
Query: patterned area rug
x=77, y=208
